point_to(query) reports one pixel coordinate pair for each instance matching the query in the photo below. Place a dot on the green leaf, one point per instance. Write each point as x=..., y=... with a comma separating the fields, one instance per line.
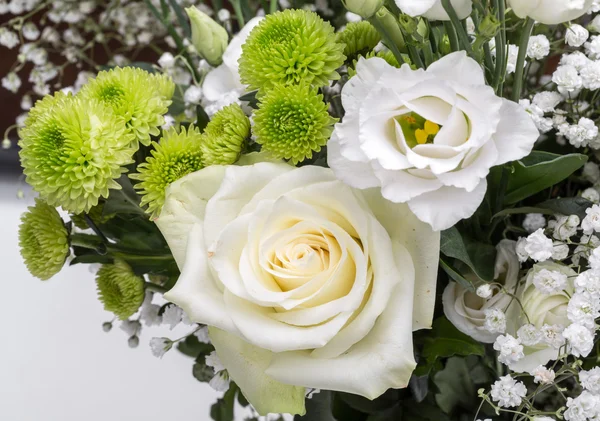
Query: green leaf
x=362, y=404
x=456, y=388
x=192, y=347
x=446, y=341
x=125, y=200
x=222, y=410
x=202, y=372
x=480, y=257
x=318, y=408
x=456, y=276
x=342, y=411
x=177, y=106
x=538, y=171
x=564, y=206
x=422, y=412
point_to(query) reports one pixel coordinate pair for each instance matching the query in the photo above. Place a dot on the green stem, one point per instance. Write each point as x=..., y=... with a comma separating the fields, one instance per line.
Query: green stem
x=500, y=71
x=519, y=70
x=388, y=41
x=273, y=7
x=237, y=8
x=86, y=241
x=451, y=36
x=463, y=38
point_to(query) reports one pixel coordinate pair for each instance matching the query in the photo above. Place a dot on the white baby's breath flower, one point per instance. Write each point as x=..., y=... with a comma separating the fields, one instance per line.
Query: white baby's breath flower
x=12, y=82
x=591, y=172
x=485, y=291
x=529, y=335
x=202, y=335
x=508, y=392
x=591, y=222
x=580, y=340
x=576, y=35
x=592, y=195
x=594, y=259
x=212, y=360
x=588, y=282
x=8, y=38
x=538, y=246
x=585, y=407
x=533, y=222
x=495, y=320
x=172, y=315
x=560, y=251
x=564, y=227
x=592, y=47
x=590, y=380
x=539, y=47
x=510, y=349
x=220, y=381
x=567, y=78
x=160, y=346
x=583, y=309
x=549, y=281
x=552, y=335
x=547, y=100
x=543, y=375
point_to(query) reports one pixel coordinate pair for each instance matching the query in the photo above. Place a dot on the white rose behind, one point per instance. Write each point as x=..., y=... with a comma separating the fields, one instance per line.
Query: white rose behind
x=433, y=9
x=466, y=310
x=428, y=138
x=550, y=12
x=304, y=281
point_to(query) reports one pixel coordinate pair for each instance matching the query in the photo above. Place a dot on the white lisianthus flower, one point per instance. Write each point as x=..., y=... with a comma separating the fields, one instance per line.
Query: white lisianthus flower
x=542, y=310
x=467, y=311
x=433, y=9
x=302, y=280
x=550, y=12
x=427, y=138
x=224, y=81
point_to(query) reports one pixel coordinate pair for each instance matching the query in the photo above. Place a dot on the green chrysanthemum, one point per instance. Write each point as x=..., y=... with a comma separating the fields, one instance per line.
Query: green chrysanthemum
x=224, y=137
x=72, y=151
x=359, y=38
x=137, y=96
x=292, y=121
x=119, y=289
x=43, y=239
x=177, y=154
x=288, y=47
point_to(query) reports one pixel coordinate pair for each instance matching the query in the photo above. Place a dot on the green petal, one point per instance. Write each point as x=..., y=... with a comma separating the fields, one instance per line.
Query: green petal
x=246, y=365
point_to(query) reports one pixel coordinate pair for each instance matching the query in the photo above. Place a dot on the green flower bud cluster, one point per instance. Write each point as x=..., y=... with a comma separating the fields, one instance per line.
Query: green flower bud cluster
x=119, y=289
x=177, y=154
x=73, y=148
x=224, y=137
x=359, y=37
x=288, y=48
x=43, y=240
x=292, y=122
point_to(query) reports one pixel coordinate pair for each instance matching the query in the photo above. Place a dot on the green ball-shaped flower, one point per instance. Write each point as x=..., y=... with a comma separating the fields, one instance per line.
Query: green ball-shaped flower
x=224, y=137
x=119, y=289
x=43, y=239
x=72, y=150
x=177, y=154
x=292, y=121
x=359, y=38
x=288, y=47
x=137, y=96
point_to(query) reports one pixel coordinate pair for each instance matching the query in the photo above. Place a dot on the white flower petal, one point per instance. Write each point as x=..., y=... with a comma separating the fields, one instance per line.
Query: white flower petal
x=458, y=67
x=516, y=133
x=445, y=207
x=462, y=8
x=220, y=81
x=475, y=167
x=382, y=360
x=246, y=365
x=401, y=186
x=356, y=173
x=185, y=203
x=422, y=243
x=415, y=7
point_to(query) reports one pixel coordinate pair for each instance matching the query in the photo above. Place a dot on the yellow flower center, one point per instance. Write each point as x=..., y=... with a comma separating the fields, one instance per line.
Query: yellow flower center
x=427, y=133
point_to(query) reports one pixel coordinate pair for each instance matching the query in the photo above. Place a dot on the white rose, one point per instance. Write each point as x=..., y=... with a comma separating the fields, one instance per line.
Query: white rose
x=539, y=309
x=467, y=311
x=224, y=80
x=443, y=179
x=550, y=12
x=433, y=9
x=303, y=280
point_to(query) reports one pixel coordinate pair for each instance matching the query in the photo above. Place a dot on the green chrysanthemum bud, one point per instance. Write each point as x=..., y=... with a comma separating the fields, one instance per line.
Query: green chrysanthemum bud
x=224, y=137
x=359, y=37
x=43, y=239
x=289, y=47
x=177, y=154
x=209, y=38
x=292, y=121
x=137, y=96
x=72, y=150
x=119, y=289
x=363, y=8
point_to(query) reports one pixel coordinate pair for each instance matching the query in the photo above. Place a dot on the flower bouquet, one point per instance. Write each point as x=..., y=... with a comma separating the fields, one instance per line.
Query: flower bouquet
x=363, y=210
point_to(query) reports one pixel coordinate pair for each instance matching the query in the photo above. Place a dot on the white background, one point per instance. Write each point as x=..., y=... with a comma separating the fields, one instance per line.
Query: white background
x=57, y=364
